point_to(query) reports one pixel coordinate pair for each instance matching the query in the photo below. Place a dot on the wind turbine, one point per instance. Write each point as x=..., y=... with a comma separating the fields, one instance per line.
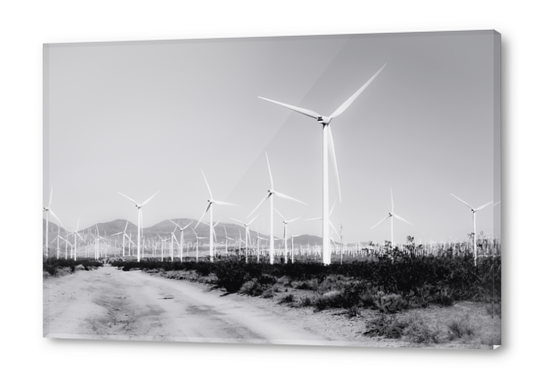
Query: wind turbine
x=247, y=233
x=270, y=193
x=285, y=236
x=162, y=241
x=227, y=238
x=391, y=215
x=211, y=201
x=327, y=145
x=48, y=209
x=124, y=236
x=75, y=235
x=297, y=235
x=473, y=210
x=139, y=220
x=197, y=243
x=182, y=237
x=171, y=242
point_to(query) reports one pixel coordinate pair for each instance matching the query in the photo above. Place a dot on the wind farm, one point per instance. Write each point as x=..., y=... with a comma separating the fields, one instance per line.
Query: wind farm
x=201, y=112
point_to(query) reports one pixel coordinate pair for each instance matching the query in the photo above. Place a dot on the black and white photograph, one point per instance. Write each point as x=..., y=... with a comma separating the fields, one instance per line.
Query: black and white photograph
x=333, y=190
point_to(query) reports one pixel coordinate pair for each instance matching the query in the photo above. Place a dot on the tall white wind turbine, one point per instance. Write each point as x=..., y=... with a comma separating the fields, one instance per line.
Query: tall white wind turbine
x=391, y=215
x=473, y=210
x=270, y=193
x=211, y=201
x=48, y=209
x=328, y=148
x=139, y=220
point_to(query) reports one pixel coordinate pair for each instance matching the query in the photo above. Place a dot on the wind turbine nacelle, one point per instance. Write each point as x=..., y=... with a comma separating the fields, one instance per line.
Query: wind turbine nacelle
x=323, y=120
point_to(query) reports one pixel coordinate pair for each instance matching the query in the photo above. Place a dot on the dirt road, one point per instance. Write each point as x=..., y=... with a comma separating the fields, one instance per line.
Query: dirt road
x=111, y=304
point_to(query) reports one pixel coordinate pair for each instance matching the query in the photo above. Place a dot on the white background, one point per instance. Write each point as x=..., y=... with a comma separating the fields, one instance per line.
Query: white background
x=26, y=25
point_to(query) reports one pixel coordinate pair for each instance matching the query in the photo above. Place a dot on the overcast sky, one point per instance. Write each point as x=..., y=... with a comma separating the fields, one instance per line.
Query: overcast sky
x=138, y=117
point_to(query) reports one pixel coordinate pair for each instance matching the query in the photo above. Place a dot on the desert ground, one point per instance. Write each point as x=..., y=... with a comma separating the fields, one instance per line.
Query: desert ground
x=108, y=303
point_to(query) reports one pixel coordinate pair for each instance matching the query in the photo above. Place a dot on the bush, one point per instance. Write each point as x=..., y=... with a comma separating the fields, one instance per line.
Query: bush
x=252, y=288
x=390, y=303
x=418, y=331
x=410, y=328
x=288, y=299
x=384, y=325
x=461, y=327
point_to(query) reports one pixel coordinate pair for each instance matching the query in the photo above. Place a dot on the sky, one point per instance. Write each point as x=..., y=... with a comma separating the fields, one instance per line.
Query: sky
x=141, y=117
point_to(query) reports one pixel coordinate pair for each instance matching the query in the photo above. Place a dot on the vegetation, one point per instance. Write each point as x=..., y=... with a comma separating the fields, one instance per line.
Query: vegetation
x=393, y=288
x=389, y=283
x=58, y=267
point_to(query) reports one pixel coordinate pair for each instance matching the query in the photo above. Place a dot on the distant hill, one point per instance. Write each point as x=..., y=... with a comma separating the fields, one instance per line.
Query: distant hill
x=165, y=228
x=54, y=229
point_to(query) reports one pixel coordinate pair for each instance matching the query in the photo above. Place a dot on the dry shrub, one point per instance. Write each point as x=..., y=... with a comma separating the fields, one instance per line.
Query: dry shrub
x=461, y=327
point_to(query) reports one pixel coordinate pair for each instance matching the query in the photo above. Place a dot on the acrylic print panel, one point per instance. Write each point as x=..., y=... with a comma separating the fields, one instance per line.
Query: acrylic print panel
x=323, y=190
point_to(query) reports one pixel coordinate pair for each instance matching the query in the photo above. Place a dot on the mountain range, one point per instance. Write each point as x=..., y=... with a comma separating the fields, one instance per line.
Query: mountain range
x=166, y=227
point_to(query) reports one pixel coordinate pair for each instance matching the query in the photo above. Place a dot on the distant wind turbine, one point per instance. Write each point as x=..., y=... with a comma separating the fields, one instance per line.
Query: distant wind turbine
x=76, y=234
x=197, y=243
x=473, y=210
x=48, y=209
x=211, y=201
x=327, y=136
x=139, y=220
x=182, y=237
x=391, y=215
x=247, y=233
x=285, y=236
x=124, y=236
x=270, y=193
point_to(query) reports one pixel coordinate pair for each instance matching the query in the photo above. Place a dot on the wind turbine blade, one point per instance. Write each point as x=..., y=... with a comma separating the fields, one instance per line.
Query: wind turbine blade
x=347, y=103
x=174, y=223
x=132, y=200
x=186, y=226
x=129, y=239
x=201, y=218
x=402, y=219
x=331, y=147
x=464, y=202
x=261, y=202
x=50, y=197
x=224, y=203
x=483, y=206
x=126, y=227
x=236, y=220
x=251, y=221
x=116, y=234
x=392, y=205
x=269, y=167
x=288, y=197
x=209, y=188
x=53, y=213
x=380, y=222
x=283, y=218
x=306, y=112
x=292, y=220
x=77, y=234
x=497, y=203
x=149, y=199
x=332, y=208
x=313, y=219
